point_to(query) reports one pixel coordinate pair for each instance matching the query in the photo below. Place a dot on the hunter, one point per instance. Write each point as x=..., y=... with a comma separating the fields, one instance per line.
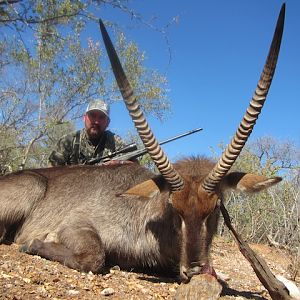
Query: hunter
x=93, y=141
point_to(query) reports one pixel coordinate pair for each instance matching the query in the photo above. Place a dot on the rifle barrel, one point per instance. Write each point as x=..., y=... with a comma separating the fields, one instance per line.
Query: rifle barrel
x=143, y=151
x=180, y=136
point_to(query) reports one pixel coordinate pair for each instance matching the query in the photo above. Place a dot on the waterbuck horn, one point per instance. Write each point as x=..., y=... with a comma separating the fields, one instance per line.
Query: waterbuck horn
x=246, y=126
x=140, y=122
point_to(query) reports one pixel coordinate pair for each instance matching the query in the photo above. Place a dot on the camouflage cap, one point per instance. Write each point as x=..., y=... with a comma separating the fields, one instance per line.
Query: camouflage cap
x=98, y=105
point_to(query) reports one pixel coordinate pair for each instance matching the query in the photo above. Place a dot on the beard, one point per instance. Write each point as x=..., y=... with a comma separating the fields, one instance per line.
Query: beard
x=94, y=132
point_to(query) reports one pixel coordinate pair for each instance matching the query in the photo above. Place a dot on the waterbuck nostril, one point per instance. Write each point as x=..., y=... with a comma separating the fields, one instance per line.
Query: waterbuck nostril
x=195, y=270
x=184, y=275
x=187, y=273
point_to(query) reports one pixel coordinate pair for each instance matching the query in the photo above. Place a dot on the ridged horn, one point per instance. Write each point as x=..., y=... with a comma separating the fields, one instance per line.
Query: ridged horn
x=246, y=126
x=140, y=122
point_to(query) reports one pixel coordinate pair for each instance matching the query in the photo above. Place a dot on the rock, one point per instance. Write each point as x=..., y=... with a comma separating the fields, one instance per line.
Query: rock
x=107, y=292
x=223, y=277
x=291, y=286
x=201, y=287
x=27, y=280
x=73, y=292
x=41, y=291
x=114, y=269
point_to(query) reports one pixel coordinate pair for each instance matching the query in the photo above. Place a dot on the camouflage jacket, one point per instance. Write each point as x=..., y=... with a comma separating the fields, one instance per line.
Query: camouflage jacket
x=75, y=148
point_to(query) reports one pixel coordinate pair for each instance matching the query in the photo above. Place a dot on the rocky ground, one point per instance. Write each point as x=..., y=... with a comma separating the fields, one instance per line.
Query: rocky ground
x=30, y=277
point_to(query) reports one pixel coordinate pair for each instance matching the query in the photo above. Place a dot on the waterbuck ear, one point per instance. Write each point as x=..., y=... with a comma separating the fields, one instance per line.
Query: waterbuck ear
x=247, y=182
x=148, y=188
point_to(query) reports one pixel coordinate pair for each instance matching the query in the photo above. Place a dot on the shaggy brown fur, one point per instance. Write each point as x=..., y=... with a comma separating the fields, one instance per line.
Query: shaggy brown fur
x=82, y=217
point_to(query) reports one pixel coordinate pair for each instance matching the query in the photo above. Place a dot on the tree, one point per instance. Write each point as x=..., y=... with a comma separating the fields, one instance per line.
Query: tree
x=51, y=71
x=272, y=216
x=9, y=153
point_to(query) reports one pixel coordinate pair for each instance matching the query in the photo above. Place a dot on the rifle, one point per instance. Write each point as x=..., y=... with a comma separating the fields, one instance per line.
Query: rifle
x=132, y=152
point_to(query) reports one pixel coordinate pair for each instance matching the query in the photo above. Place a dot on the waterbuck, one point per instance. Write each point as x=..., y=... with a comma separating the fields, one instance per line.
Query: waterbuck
x=90, y=217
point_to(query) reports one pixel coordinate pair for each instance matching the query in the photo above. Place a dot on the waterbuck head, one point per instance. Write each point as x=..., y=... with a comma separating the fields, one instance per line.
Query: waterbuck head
x=195, y=194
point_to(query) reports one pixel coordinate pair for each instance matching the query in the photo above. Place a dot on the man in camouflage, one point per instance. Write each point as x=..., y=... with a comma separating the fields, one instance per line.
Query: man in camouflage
x=93, y=141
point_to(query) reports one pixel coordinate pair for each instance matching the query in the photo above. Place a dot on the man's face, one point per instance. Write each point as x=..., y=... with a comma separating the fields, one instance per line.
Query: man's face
x=95, y=123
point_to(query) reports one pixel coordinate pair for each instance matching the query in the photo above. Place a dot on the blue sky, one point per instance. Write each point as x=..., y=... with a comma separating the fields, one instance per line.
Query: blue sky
x=218, y=49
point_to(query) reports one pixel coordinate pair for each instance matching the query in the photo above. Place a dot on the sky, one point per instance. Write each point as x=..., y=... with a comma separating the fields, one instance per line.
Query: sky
x=218, y=49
